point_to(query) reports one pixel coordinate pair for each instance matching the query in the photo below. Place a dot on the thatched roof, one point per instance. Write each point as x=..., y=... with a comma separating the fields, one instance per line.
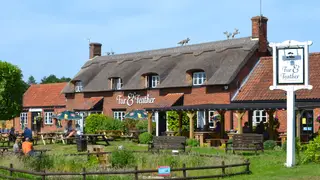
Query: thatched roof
x=221, y=61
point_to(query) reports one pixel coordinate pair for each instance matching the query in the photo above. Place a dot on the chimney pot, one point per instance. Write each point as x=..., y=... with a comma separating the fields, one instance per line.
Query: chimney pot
x=95, y=50
x=259, y=30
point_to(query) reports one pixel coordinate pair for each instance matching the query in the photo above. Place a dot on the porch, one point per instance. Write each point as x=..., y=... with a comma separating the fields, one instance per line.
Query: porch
x=237, y=110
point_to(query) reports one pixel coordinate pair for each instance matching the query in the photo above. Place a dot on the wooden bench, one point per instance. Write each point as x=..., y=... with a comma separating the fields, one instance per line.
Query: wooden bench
x=245, y=142
x=168, y=142
x=3, y=149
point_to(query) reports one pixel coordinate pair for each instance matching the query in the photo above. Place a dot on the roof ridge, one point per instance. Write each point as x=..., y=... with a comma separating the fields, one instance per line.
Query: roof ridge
x=177, y=49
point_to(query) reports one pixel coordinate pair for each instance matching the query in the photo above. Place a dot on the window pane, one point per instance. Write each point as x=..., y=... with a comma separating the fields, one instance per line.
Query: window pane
x=257, y=113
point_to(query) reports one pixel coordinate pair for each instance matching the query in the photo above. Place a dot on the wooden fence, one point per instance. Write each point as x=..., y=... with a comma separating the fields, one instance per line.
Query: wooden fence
x=134, y=172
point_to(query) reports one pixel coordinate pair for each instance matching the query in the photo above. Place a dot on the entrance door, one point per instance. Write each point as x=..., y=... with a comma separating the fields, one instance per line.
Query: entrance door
x=35, y=125
x=162, y=123
x=306, y=125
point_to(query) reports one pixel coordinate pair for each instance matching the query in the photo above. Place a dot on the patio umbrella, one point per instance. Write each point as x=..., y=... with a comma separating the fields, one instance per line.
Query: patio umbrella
x=136, y=114
x=67, y=115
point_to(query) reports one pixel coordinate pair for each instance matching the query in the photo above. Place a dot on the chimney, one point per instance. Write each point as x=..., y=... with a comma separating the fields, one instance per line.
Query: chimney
x=259, y=31
x=95, y=50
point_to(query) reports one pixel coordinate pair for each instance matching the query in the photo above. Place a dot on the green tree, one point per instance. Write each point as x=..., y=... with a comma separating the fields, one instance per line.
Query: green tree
x=31, y=80
x=12, y=88
x=54, y=79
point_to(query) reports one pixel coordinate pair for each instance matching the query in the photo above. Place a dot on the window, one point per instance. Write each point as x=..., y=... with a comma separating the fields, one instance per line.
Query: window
x=78, y=86
x=48, y=117
x=24, y=118
x=118, y=115
x=155, y=80
x=258, y=116
x=116, y=83
x=152, y=81
x=94, y=112
x=199, y=78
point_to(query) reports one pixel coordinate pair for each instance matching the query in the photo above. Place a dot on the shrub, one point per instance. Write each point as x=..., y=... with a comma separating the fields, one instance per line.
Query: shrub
x=269, y=144
x=142, y=125
x=129, y=124
x=96, y=122
x=122, y=158
x=312, y=153
x=173, y=122
x=38, y=162
x=192, y=142
x=298, y=146
x=145, y=138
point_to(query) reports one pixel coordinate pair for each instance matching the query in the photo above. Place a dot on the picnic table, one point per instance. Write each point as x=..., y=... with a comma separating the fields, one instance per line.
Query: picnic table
x=52, y=137
x=4, y=138
x=93, y=138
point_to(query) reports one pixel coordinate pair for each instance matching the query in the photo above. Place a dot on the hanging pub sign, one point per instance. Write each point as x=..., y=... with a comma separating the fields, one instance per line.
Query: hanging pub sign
x=290, y=65
x=135, y=98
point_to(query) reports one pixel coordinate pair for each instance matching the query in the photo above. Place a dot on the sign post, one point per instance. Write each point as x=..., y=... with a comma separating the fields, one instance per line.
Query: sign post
x=291, y=73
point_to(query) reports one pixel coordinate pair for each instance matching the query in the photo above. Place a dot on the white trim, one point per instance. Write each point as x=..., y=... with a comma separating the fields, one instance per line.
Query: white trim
x=48, y=117
x=25, y=116
x=156, y=114
x=245, y=80
x=197, y=77
x=35, y=110
x=119, y=115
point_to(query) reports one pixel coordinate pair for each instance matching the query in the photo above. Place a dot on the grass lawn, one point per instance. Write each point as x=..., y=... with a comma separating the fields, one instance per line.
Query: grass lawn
x=268, y=165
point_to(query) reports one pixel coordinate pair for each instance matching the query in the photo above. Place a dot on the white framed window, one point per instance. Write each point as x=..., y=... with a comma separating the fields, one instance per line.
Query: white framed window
x=201, y=119
x=78, y=86
x=116, y=83
x=24, y=118
x=258, y=116
x=94, y=112
x=48, y=118
x=198, y=78
x=119, y=115
x=155, y=80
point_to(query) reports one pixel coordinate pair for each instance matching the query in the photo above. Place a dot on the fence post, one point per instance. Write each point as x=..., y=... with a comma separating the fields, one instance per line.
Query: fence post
x=248, y=164
x=88, y=157
x=11, y=167
x=184, y=171
x=223, y=168
x=136, y=173
x=44, y=175
x=84, y=173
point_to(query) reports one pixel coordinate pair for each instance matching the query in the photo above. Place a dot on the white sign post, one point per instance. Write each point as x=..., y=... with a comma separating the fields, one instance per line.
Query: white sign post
x=291, y=73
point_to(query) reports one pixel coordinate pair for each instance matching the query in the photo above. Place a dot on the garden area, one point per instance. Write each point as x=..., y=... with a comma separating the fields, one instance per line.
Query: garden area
x=125, y=155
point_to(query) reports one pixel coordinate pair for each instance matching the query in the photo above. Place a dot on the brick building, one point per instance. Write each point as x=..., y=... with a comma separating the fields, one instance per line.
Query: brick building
x=42, y=100
x=207, y=73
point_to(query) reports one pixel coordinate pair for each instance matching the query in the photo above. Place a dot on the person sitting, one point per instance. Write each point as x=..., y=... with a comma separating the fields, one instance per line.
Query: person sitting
x=218, y=127
x=27, y=147
x=70, y=130
x=12, y=135
x=27, y=133
x=17, y=147
x=246, y=128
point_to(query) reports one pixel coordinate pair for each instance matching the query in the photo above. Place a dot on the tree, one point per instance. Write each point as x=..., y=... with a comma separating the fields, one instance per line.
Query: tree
x=12, y=88
x=31, y=80
x=54, y=79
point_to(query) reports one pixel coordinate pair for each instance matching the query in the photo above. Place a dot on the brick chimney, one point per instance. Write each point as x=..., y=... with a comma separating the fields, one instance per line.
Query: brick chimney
x=259, y=31
x=95, y=50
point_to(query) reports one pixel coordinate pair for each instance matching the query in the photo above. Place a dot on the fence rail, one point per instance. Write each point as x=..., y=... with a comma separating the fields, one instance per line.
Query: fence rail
x=134, y=172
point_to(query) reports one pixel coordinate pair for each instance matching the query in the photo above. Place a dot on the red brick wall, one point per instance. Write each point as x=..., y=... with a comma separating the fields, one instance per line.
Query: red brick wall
x=316, y=124
x=45, y=127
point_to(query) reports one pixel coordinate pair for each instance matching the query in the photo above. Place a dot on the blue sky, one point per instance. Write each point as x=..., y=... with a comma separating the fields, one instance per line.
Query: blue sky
x=50, y=37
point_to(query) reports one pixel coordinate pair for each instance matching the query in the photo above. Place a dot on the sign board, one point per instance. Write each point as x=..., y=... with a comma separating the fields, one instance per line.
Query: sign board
x=290, y=66
x=164, y=170
x=135, y=98
x=291, y=73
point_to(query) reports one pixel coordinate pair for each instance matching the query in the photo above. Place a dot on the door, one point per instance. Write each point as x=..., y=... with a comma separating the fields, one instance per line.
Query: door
x=35, y=125
x=306, y=125
x=162, y=123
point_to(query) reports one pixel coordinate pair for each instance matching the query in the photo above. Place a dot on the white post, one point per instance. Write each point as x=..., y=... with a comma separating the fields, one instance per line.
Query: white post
x=156, y=116
x=290, y=128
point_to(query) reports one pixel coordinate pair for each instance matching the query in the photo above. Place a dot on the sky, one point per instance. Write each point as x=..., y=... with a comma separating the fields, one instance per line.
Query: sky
x=51, y=36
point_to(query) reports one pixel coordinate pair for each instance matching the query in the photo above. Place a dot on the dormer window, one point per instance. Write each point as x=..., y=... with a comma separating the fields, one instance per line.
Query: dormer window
x=116, y=83
x=152, y=81
x=78, y=86
x=198, y=78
